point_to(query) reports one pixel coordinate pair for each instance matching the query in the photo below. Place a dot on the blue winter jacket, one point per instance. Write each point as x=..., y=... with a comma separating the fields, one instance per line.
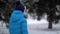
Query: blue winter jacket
x=17, y=23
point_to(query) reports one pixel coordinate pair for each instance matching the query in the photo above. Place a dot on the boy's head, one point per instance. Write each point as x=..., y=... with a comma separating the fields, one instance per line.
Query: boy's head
x=19, y=6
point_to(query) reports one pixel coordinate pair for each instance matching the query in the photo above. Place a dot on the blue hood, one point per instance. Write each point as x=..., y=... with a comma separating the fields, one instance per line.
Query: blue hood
x=16, y=15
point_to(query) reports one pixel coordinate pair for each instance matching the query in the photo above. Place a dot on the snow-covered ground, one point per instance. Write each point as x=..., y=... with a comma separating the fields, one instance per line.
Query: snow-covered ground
x=43, y=20
x=41, y=27
x=31, y=21
x=3, y=29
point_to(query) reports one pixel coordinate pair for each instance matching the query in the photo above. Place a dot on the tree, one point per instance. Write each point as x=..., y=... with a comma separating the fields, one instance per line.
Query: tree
x=43, y=6
x=6, y=7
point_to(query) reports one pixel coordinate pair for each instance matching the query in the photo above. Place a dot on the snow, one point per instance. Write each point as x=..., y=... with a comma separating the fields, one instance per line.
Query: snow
x=41, y=26
x=3, y=29
x=2, y=23
x=30, y=20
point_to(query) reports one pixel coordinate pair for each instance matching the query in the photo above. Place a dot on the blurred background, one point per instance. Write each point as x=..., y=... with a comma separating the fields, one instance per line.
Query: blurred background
x=43, y=16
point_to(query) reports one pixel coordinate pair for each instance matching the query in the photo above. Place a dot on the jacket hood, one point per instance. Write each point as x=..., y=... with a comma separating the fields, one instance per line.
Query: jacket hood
x=16, y=15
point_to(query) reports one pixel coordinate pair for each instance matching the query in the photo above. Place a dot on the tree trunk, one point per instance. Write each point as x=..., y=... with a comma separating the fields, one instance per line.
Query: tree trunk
x=50, y=25
x=50, y=19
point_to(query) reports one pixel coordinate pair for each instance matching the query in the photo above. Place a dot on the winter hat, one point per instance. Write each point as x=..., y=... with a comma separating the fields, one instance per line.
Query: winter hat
x=19, y=6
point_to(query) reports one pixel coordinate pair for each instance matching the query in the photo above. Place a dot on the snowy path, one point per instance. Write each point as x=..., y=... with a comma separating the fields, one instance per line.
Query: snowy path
x=41, y=27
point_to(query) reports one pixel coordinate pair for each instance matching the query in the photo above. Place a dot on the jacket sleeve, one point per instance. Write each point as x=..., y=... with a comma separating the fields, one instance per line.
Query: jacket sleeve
x=24, y=26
